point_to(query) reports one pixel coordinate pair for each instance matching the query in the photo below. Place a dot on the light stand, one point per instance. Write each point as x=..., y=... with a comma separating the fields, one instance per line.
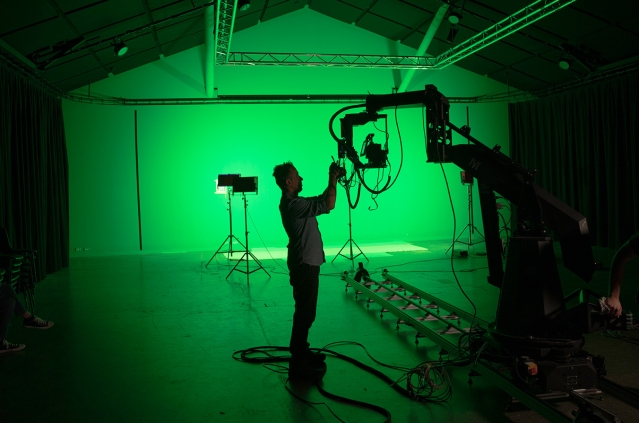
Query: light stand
x=244, y=185
x=230, y=236
x=467, y=180
x=350, y=243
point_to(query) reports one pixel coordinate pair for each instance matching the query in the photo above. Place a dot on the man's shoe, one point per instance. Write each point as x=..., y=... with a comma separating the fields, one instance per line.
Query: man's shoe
x=301, y=371
x=34, y=322
x=316, y=359
x=6, y=347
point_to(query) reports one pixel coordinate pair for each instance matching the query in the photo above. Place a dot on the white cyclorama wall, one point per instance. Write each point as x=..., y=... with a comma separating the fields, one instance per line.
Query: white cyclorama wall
x=182, y=149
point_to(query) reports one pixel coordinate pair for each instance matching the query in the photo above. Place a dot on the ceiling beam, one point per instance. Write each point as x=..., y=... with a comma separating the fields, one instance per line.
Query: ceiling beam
x=209, y=52
x=428, y=38
x=149, y=18
x=48, y=62
x=364, y=12
x=264, y=7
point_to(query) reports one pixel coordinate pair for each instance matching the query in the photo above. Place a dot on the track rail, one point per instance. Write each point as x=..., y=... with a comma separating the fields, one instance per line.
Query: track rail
x=443, y=331
x=444, y=324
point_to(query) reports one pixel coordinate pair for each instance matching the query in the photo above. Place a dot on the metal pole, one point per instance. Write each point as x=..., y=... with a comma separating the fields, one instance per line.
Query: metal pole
x=228, y=192
x=247, y=243
x=350, y=234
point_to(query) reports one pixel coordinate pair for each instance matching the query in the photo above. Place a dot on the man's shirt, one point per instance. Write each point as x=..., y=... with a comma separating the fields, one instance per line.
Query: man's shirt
x=300, y=223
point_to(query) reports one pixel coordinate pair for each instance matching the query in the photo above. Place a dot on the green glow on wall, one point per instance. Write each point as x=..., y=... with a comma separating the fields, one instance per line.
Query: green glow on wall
x=182, y=149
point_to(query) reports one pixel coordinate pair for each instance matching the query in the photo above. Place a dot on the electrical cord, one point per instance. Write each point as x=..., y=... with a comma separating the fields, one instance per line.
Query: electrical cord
x=401, y=149
x=337, y=113
x=377, y=408
x=506, y=228
x=452, y=207
x=377, y=269
x=348, y=184
x=426, y=382
x=268, y=357
x=618, y=335
x=361, y=173
x=346, y=343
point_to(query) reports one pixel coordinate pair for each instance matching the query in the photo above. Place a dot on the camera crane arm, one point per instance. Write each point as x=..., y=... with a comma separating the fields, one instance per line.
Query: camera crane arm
x=497, y=172
x=529, y=300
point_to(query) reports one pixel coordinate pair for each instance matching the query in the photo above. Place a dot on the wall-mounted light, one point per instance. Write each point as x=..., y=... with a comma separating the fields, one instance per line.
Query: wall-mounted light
x=119, y=48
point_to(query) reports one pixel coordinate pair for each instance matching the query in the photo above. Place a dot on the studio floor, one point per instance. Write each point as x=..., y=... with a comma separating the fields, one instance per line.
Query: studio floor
x=150, y=338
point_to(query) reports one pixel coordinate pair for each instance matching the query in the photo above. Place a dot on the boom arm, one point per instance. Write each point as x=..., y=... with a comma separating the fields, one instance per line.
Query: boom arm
x=536, y=208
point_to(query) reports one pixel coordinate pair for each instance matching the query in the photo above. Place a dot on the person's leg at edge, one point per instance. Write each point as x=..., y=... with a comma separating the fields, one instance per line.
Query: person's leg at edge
x=7, y=291
x=7, y=306
x=30, y=321
x=6, y=309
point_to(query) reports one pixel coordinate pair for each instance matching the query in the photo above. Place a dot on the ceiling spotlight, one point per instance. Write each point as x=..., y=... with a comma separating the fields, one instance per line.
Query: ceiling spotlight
x=243, y=5
x=119, y=48
x=454, y=17
x=564, y=63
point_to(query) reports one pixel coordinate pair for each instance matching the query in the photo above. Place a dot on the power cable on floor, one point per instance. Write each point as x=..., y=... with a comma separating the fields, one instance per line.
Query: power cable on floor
x=426, y=382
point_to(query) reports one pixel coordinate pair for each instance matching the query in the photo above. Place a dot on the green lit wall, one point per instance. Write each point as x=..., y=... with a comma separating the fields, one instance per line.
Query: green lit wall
x=182, y=149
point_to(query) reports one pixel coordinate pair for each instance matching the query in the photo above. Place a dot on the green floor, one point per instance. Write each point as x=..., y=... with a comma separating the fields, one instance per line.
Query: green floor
x=151, y=337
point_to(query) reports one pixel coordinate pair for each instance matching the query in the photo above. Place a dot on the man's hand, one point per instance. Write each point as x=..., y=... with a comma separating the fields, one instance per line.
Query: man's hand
x=331, y=193
x=335, y=170
x=615, y=306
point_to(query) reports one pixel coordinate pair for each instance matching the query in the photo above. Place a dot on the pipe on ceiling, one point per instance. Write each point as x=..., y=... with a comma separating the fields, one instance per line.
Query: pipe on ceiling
x=209, y=52
x=428, y=38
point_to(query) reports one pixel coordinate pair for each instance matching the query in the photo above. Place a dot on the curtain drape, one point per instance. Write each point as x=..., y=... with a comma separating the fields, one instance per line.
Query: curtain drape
x=34, y=198
x=584, y=146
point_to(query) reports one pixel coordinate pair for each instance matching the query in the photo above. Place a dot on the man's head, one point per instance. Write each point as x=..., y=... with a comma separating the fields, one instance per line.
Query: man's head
x=287, y=178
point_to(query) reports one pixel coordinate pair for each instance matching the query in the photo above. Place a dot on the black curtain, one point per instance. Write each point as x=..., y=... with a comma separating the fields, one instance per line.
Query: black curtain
x=34, y=194
x=584, y=145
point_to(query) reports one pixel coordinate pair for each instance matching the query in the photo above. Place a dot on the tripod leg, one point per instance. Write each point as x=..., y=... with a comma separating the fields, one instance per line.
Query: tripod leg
x=340, y=251
x=259, y=263
x=360, y=251
x=218, y=250
x=236, y=264
x=457, y=239
x=239, y=242
x=470, y=239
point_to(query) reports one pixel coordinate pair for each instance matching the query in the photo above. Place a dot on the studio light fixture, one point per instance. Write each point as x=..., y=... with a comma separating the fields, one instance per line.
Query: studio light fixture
x=454, y=17
x=564, y=63
x=243, y=5
x=588, y=58
x=119, y=48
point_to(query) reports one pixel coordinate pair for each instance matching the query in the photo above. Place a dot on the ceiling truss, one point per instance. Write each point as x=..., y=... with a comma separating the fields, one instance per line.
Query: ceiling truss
x=502, y=29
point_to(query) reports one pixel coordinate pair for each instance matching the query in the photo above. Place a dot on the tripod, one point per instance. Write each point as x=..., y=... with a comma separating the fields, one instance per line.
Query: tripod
x=230, y=237
x=350, y=243
x=247, y=253
x=471, y=223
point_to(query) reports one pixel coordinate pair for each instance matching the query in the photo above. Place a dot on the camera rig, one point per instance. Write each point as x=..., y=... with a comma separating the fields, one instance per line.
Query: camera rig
x=533, y=318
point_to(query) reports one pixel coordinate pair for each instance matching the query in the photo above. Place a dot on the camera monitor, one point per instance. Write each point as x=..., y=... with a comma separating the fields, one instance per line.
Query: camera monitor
x=226, y=180
x=245, y=184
